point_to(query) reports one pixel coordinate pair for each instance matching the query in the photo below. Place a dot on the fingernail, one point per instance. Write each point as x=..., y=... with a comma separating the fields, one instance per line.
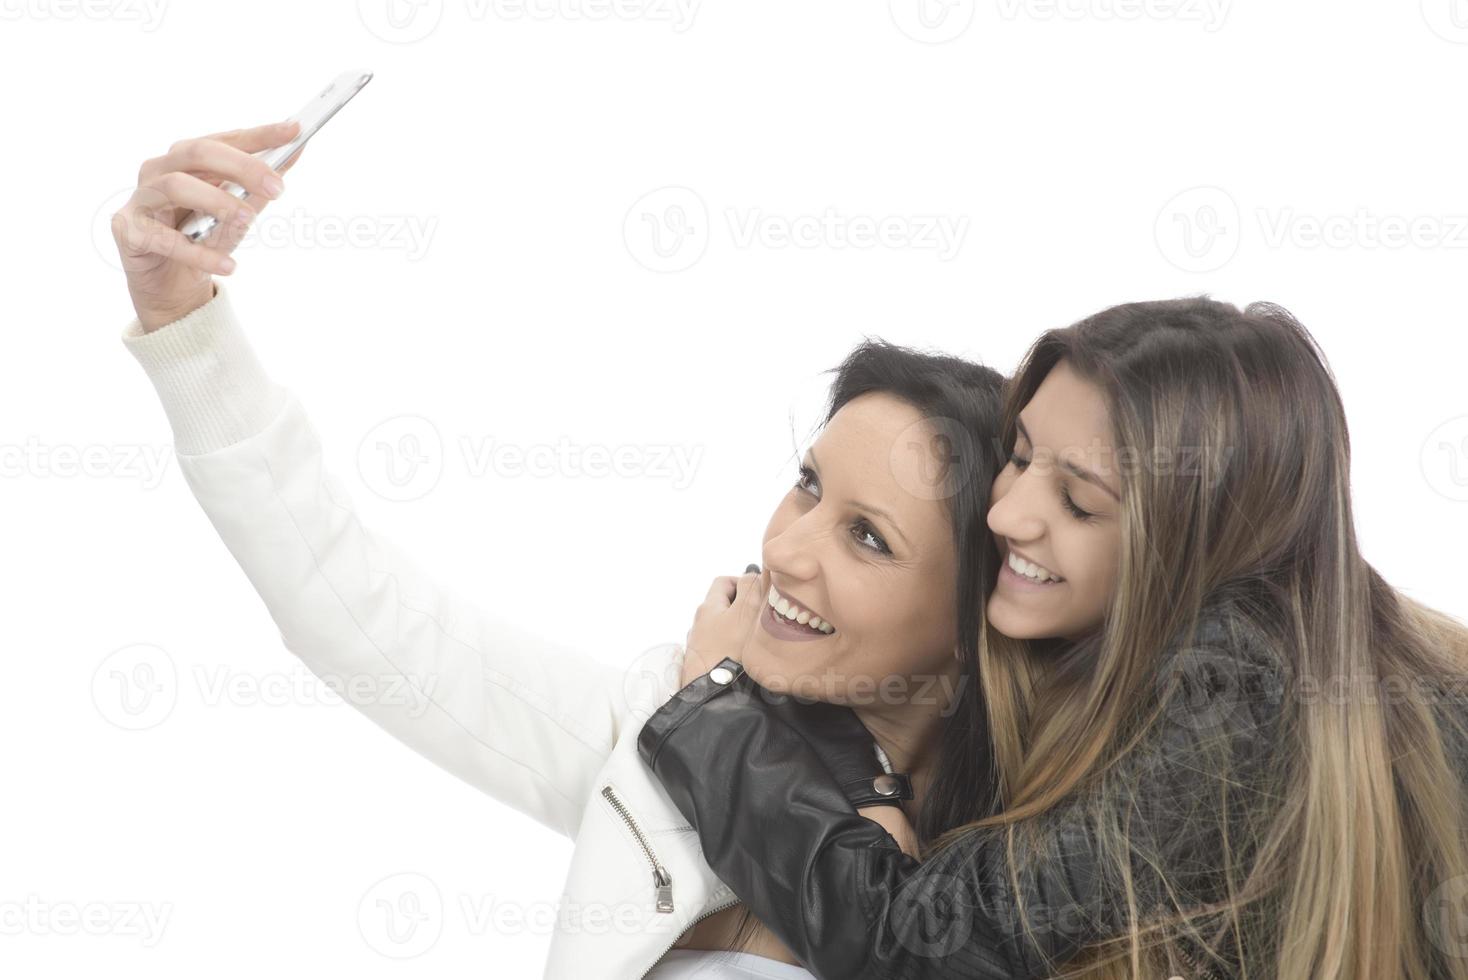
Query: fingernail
x=273, y=185
x=751, y=567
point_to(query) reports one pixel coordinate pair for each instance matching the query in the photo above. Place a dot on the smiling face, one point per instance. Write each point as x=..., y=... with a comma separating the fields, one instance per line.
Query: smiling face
x=1056, y=505
x=863, y=542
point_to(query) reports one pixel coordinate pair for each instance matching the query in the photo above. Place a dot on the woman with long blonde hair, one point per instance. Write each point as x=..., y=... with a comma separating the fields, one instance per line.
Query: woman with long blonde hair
x=1221, y=744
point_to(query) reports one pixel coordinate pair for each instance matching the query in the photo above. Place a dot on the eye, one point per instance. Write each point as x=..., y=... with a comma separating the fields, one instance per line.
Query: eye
x=1070, y=505
x=806, y=476
x=1065, y=498
x=863, y=530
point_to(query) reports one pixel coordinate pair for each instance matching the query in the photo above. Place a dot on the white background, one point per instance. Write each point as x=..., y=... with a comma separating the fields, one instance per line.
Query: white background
x=501, y=283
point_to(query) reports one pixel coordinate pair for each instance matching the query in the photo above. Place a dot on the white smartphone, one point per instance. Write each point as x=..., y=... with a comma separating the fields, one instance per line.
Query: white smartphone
x=312, y=116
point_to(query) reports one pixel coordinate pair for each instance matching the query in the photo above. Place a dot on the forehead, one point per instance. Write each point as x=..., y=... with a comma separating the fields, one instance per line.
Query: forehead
x=878, y=450
x=1067, y=412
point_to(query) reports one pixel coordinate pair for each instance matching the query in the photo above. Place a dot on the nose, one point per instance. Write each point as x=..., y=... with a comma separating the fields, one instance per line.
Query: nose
x=791, y=554
x=1014, y=510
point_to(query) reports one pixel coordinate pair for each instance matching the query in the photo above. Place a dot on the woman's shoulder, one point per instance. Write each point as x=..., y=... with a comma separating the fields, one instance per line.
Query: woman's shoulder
x=1231, y=671
x=1242, y=623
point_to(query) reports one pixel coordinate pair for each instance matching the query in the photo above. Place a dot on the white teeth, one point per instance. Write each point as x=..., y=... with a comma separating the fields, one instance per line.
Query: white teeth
x=790, y=610
x=1030, y=570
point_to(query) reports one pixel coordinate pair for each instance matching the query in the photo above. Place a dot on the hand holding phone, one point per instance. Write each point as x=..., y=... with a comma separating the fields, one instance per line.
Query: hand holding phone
x=169, y=273
x=312, y=116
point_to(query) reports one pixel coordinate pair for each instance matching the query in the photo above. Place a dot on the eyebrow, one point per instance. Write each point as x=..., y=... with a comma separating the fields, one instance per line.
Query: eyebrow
x=1070, y=467
x=875, y=511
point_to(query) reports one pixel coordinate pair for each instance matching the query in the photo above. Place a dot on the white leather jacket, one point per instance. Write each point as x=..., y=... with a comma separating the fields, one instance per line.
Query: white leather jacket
x=543, y=728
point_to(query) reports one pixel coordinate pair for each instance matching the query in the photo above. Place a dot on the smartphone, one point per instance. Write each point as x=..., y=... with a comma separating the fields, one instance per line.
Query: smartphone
x=313, y=116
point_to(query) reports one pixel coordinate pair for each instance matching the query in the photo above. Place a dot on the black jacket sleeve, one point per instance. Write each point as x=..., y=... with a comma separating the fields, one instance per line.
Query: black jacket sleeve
x=835, y=888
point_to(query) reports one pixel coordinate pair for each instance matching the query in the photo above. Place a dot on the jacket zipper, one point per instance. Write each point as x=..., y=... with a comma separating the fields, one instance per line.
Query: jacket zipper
x=660, y=877
x=661, y=880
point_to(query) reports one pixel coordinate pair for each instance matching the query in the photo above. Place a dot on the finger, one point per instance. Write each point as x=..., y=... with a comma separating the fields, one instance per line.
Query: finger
x=721, y=594
x=186, y=192
x=754, y=588
x=257, y=138
x=206, y=157
x=143, y=234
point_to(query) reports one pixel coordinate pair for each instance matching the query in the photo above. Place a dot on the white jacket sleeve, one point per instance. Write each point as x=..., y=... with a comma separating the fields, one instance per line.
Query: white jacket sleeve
x=524, y=719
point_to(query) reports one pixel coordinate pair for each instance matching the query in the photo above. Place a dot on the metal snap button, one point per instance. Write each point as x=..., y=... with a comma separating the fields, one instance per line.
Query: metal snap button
x=721, y=675
x=886, y=784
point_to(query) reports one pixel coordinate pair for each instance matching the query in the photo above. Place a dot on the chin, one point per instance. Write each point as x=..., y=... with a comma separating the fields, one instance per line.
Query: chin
x=1017, y=625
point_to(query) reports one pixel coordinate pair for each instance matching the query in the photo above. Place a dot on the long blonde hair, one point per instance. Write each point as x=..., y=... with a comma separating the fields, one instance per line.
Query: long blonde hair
x=1355, y=848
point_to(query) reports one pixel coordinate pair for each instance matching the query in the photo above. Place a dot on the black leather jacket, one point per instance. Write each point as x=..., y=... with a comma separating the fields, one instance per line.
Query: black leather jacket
x=835, y=888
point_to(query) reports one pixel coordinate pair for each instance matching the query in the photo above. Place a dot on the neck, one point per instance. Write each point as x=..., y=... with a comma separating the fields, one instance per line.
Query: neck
x=911, y=732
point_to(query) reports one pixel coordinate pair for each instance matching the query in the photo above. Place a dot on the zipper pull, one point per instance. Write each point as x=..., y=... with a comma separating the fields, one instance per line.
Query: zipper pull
x=664, y=882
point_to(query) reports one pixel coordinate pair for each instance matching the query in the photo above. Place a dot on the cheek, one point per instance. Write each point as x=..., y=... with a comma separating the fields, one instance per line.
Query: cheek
x=899, y=634
x=1096, y=561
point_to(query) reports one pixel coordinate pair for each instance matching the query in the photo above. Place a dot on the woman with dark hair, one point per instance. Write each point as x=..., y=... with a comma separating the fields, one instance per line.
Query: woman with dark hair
x=1182, y=788
x=874, y=557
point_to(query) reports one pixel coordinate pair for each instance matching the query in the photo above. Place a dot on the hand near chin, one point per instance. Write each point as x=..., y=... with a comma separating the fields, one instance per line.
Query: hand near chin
x=724, y=622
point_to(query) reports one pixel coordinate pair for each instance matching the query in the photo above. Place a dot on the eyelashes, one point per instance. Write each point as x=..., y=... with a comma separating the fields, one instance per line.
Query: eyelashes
x=1065, y=497
x=861, y=529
